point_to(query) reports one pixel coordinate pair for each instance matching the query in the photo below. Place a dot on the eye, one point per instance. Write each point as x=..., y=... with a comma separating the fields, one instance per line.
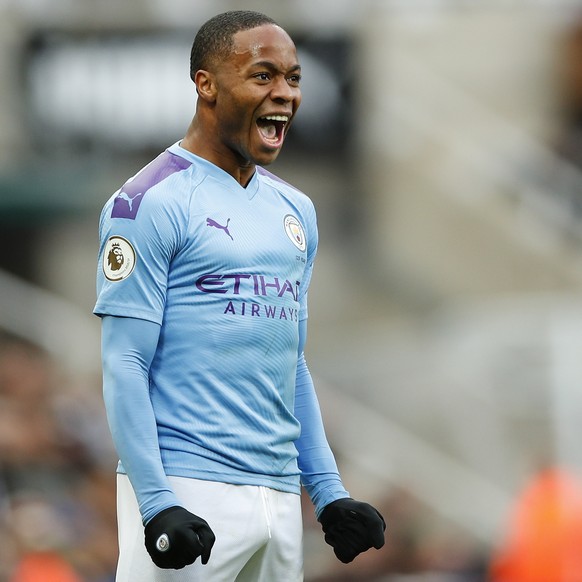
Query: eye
x=263, y=76
x=294, y=80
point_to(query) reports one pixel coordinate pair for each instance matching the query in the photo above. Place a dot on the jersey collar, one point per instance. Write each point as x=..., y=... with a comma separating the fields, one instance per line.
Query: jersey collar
x=216, y=172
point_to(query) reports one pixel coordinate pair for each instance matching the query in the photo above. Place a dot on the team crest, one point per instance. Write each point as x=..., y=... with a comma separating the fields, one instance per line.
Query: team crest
x=295, y=232
x=118, y=259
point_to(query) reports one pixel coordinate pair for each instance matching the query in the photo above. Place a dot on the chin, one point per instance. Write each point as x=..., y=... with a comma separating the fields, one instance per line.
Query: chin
x=267, y=158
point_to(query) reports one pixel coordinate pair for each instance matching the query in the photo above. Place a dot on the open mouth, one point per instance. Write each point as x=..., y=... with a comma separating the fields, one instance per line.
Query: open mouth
x=272, y=128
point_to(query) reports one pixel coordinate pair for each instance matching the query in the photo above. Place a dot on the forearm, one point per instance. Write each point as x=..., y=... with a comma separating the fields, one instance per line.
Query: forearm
x=319, y=472
x=128, y=346
x=351, y=527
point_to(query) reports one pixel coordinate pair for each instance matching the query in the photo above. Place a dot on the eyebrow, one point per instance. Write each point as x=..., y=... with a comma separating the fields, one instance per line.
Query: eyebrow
x=272, y=66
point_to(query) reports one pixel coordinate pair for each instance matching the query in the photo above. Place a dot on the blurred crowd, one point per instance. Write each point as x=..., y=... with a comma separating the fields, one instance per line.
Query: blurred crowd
x=57, y=463
x=57, y=496
x=418, y=548
x=57, y=492
x=57, y=502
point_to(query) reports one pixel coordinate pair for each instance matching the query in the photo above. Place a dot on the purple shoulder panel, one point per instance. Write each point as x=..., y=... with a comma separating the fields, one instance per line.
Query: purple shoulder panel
x=127, y=202
x=264, y=172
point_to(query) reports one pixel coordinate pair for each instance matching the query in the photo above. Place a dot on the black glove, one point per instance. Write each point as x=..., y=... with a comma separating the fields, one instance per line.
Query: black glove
x=352, y=527
x=175, y=537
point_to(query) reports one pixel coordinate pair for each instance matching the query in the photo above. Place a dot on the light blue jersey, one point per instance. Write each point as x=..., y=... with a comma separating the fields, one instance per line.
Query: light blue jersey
x=225, y=271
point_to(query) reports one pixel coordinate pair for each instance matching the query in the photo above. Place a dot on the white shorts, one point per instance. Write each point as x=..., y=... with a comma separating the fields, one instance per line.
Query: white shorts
x=259, y=534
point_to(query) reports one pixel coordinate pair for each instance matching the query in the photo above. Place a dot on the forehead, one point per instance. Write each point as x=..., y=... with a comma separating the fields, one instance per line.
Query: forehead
x=264, y=42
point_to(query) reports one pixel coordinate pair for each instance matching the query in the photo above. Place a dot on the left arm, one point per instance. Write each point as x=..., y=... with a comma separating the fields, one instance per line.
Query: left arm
x=319, y=472
x=350, y=527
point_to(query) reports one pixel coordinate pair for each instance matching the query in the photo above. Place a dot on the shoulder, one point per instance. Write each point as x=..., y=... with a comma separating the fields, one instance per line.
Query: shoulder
x=287, y=190
x=164, y=185
x=159, y=176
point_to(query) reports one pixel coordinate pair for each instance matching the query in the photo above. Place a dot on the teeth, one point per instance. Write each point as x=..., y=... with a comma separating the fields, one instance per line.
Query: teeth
x=276, y=118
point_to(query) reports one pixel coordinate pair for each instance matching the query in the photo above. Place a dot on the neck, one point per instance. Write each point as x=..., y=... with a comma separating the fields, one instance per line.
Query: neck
x=196, y=141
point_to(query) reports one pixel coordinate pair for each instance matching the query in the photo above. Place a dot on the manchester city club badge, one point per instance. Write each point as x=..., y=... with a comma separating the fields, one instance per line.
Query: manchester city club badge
x=295, y=232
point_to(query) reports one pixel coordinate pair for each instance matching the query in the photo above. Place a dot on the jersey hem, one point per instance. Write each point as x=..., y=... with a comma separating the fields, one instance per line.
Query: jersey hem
x=279, y=484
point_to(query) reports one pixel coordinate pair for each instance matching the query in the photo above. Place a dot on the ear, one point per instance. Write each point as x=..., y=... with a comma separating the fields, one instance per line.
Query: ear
x=205, y=85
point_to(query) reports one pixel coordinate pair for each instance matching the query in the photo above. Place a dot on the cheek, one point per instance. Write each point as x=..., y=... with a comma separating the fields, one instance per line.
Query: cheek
x=229, y=120
x=297, y=101
x=234, y=113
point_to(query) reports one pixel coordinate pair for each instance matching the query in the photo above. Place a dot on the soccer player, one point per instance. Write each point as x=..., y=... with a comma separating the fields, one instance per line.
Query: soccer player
x=205, y=260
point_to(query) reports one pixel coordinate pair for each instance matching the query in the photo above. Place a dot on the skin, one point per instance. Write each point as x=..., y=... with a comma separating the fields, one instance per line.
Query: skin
x=260, y=77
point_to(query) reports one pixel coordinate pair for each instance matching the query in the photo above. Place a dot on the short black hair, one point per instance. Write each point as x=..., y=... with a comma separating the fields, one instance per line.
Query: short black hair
x=214, y=39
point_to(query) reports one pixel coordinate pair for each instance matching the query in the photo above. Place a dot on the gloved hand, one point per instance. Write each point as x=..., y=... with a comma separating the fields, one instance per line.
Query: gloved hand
x=352, y=527
x=175, y=537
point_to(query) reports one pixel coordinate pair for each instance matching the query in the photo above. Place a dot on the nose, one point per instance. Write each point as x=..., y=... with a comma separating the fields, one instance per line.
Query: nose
x=282, y=91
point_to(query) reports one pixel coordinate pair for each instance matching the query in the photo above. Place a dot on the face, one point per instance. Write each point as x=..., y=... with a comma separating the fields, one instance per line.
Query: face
x=257, y=95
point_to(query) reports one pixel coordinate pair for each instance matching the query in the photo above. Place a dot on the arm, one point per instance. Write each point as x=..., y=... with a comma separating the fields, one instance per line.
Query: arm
x=319, y=472
x=350, y=526
x=128, y=347
x=174, y=537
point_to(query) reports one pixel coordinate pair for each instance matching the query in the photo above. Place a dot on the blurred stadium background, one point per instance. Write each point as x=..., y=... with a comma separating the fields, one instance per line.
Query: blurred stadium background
x=441, y=141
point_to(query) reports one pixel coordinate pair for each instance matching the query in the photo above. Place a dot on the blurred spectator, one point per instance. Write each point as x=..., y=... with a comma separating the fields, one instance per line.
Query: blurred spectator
x=564, y=181
x=544, y=536
x=40, y=534
x=57, y=490
x=414, y=550
x=32, y=443
x=44, y=567
x=570, y=87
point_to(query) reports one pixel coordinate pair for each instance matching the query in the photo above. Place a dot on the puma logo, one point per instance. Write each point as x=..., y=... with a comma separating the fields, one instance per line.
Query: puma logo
x=211, y=222
x=123, y=196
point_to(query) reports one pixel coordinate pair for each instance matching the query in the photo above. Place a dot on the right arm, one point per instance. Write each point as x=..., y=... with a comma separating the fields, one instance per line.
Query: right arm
x=128, y=347
x=131, y=303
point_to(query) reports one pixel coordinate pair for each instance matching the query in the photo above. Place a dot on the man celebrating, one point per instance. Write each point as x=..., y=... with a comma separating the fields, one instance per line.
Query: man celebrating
x=209, y=399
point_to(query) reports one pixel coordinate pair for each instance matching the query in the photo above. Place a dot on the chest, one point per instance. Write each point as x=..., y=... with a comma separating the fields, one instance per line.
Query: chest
x=230, y=234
